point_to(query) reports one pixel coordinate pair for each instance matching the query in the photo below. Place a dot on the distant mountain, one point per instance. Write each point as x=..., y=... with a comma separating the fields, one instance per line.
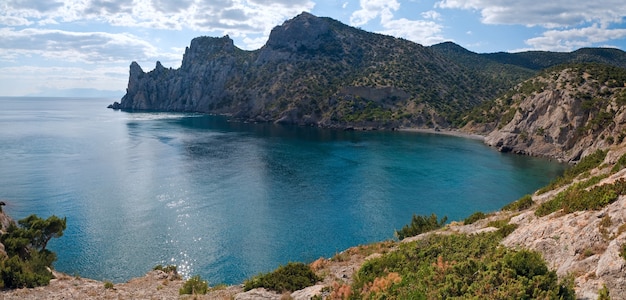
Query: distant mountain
x=78, y=92
x=318, y=71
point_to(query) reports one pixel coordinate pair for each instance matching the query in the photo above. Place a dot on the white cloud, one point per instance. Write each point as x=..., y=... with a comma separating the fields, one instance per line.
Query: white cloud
x=431, y=14
x=425, y=32
x=371, y=9
x=570, y=24
x=83, y=47
x=571, y=39
x=422, y=32
x=549, y=14
x=228, y=16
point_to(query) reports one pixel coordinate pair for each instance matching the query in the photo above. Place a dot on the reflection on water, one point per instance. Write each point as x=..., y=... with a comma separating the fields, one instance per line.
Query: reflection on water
x=228, y=200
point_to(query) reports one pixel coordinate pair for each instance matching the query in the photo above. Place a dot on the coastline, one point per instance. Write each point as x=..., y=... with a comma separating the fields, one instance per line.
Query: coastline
x=449, y=132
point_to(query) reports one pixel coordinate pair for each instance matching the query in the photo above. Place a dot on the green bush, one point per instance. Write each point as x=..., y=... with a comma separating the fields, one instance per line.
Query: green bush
x=578, y=198
x=623, y=252
x=506, y=229
x=620, y=164
x=166, y=269
x=474, y=217
x=28, y=260
x=520, y=204
x=194, y=286
x=108, y=285
x=460, y=267
x=603, y=293
x=288, y=278
x=420, y=224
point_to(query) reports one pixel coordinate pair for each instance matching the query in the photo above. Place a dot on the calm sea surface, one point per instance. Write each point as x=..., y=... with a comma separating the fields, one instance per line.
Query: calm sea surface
x=228, y=200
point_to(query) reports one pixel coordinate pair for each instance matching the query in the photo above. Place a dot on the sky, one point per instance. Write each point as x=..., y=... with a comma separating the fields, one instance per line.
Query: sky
x=50, y=47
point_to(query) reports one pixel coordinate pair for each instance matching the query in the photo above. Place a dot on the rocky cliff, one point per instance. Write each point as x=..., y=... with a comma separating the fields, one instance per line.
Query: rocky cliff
x=564, y=113
x=314, y=71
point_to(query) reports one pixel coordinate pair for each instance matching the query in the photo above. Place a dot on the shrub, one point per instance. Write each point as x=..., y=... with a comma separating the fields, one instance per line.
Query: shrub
x=194, y=286
x=623, y=252
x=577, y=198
x=108, y=285
x=603, y=293
x=460, y=267
x=620, y=164
x=507, y=229
x=474, y=217
x=420, y=224
x=28, y=261
x=520, y=204
x=166, y=269
x=288, y=278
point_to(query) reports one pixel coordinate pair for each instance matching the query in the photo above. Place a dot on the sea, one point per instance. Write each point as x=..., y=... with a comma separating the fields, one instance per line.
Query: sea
x=226, y=199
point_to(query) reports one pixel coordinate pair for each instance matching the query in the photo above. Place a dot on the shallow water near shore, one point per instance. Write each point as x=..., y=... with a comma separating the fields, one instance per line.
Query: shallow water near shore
x=228, y=200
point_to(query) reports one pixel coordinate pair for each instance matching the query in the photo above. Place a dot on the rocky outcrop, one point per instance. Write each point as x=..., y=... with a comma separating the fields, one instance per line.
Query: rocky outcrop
x=565, y=114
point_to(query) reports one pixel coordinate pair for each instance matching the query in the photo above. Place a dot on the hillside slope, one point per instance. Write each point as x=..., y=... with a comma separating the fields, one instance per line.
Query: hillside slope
x=566, y=113
x=312, y=71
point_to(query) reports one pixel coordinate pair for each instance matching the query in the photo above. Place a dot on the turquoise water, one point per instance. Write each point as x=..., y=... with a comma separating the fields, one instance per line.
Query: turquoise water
x=228, y=200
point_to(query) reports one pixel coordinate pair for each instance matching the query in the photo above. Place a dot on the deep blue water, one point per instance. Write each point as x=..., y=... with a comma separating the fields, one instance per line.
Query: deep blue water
x=228, y=200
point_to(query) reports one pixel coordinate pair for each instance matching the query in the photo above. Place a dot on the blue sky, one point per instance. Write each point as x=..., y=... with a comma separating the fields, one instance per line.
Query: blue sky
x=52, y=45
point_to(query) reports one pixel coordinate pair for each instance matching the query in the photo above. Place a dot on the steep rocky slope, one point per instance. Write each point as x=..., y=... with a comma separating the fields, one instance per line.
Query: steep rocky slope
x=564, y=113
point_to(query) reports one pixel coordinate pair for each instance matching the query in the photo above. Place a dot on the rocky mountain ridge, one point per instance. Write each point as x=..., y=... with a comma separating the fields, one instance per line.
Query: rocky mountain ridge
x=320, y=72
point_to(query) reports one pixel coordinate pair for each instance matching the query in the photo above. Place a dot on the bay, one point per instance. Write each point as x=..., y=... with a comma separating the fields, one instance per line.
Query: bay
x=227, y=200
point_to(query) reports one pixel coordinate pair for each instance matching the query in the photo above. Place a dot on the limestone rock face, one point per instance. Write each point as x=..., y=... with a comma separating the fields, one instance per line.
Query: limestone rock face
x=563, y=118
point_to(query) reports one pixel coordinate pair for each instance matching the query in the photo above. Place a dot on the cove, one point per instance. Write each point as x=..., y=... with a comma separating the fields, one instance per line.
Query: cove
x=226, y=199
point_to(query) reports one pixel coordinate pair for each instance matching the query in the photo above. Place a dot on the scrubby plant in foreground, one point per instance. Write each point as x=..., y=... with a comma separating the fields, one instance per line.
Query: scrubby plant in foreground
x=194, y=286
x=421, y=224
x=28, y=261
x=287, y=278
x=459, y=266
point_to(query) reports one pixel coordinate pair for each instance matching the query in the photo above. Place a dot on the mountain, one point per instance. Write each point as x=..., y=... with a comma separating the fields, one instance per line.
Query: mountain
x=318, y=71
x=78, y=92
x=314, y=71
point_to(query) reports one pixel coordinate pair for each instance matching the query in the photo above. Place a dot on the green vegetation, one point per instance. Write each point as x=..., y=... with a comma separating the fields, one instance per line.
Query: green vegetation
x=166, y=269
x=578, y=198
x=623, y=252
x=585, y=164
x=474, y=217
x=420, y=224
x=28, y=260
x=194, y=286
x=603, y=293
x=288, y=278
x=520, y=204
x=108, y=285
x=459, y=266
x=620, y=164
